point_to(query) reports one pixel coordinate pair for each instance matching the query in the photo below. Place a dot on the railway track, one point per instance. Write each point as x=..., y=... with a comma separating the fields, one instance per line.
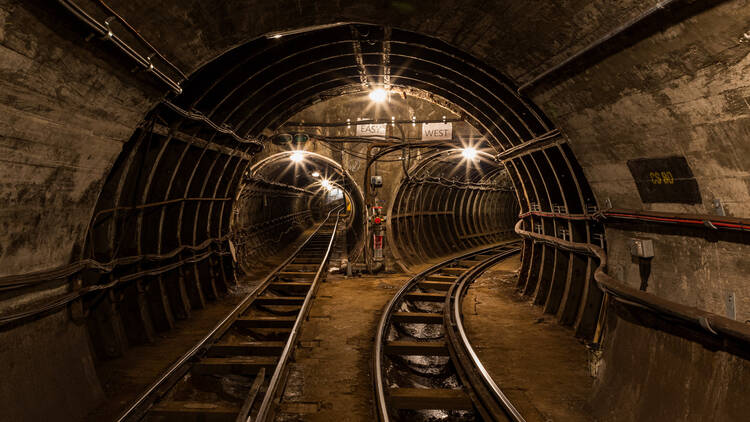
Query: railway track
x=237, y=371
x=424, y=367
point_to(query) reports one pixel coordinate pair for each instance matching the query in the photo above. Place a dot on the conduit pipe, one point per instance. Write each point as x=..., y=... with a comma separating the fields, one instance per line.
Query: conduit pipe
x=140, y=37
x=192, y=115
x=705, y=221
x=713, y=324
x=106, y=32
x=370, y=121
x=62, y=300
x=694, y=220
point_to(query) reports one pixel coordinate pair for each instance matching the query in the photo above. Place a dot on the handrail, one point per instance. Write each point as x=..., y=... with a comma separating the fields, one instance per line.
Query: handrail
x=711, y=323
x=265, y=411
x=455, y=295
x=215, y=333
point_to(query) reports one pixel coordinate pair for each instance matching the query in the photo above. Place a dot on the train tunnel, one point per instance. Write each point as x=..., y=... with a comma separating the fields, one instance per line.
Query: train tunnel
x=399, y=210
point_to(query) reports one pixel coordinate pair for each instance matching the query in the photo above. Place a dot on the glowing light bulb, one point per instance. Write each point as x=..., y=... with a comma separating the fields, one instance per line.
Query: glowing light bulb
x=315, y=174
x=378, y=95
x=469, y=153
x=297, y=156
x=326, y=184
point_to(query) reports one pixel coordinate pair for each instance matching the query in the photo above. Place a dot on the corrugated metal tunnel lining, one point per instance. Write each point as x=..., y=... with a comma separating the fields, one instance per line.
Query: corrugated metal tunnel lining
x=264, y=218
x=162, y=222
x=445, y=204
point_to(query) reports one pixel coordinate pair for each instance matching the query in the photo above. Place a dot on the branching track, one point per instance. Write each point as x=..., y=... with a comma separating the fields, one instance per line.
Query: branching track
x=237, y=371
x=424, y=367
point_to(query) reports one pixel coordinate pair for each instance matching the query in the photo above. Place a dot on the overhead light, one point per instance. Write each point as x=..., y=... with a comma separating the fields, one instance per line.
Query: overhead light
x=378, y=95
x=326, y=184
x=297, y=156
x=315, y=174
x=277, y=36
x=469, y=153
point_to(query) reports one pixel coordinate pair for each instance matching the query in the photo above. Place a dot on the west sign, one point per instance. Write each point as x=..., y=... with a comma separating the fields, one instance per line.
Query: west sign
x=437, y=131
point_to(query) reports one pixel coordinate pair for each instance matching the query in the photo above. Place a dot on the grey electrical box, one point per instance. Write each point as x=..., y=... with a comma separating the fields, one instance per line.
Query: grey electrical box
x=376, y=181
x=642, y=248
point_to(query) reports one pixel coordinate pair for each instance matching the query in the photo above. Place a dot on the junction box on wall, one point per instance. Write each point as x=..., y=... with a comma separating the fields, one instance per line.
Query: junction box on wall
x=641, y=248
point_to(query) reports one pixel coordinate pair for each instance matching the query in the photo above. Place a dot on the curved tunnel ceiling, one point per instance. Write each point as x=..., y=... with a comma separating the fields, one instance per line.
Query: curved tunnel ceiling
x=262, y=83
x=451, y=164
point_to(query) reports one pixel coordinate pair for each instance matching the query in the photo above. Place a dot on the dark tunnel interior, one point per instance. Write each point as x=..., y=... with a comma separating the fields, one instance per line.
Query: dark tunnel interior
x=164, y=166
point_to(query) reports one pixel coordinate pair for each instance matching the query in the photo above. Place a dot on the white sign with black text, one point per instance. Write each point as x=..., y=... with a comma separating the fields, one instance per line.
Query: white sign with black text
x=437, y=131
x=371, y=130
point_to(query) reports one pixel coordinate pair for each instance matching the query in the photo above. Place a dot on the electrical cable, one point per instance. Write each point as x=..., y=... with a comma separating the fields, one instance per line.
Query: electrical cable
x=61, y=301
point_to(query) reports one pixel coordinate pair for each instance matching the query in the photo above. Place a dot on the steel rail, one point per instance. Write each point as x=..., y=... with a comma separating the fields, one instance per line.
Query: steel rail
x=140, y=406
x=471, y=364
x=265, y=412
x=381, y=403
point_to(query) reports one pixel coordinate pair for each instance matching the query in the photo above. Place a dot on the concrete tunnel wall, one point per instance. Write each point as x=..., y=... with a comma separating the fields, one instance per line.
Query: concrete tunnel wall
x=69, y=106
